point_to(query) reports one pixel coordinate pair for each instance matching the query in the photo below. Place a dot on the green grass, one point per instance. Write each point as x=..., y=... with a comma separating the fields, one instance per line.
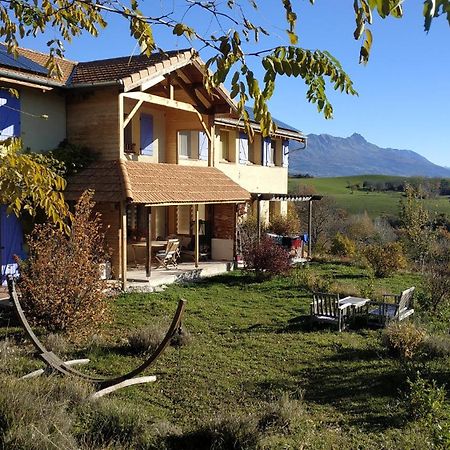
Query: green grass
x=251, y=343
x=374, y=203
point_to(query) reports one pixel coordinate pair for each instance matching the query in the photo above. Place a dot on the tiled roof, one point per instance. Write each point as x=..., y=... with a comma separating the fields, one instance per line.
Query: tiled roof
x=155, y=184
x=105, y=70
x=104, y=177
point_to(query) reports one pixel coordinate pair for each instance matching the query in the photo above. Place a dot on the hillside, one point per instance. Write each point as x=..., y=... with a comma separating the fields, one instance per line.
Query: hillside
x=330, y=156
x=374, y=203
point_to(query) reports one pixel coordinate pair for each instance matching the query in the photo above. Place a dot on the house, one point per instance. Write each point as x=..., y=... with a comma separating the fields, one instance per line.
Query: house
x=173, y=157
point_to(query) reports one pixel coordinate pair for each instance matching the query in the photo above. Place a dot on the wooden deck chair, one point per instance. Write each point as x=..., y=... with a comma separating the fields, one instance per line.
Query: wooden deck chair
x=169, y=257
x=381, y=313
x=325, y=308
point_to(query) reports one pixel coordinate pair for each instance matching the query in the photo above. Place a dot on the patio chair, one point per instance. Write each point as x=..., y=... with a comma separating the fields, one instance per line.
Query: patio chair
x=325, y=308
x=381, y=313
x=169, y=257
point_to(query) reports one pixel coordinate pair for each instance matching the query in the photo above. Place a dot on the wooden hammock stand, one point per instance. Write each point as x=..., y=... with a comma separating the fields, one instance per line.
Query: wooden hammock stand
x=104, y=385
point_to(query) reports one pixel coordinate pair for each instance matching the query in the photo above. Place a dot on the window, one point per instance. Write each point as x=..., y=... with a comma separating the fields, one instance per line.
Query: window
x=225, y=144
x=189, y=144
x=272, y=153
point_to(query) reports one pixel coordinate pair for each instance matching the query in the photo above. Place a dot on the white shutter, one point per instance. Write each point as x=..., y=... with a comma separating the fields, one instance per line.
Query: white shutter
x=243, y=148
x=203, y=146
x=285, y=149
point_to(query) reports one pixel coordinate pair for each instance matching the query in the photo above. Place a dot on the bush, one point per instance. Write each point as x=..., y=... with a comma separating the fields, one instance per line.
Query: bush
x=403, y=338
x=310, y=279
x=343, y=246
x=426, y=400
x=146, y=339
x=436, y=345
x=285, y=225
x=437, y=283
x=385, y=259
x=60, y=284
x=266, y=258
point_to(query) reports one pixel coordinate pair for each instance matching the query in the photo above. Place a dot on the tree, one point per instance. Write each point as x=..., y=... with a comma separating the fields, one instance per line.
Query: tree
x=231, y=49
x=27, y=183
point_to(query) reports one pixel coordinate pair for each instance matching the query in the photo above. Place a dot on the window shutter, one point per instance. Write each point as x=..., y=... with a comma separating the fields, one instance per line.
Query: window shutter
x=147, y=134
x=243, y=148
x=266, y=143
x=202, y=146
x=285, y=148
x=9, y=115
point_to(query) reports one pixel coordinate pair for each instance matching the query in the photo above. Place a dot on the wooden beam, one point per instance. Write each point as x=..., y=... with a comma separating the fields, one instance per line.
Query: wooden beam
x=205, y=127
x=148, y=253
x=197, y=235
x=152, y=82
x=211, y=142
x=192, y=94
x=132, y=113
x=123, y=244
x=156, y=100
x=121, y=127
x=310, y=203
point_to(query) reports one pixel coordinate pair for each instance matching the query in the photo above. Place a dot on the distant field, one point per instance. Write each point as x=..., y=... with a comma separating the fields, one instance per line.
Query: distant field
x=375, y=203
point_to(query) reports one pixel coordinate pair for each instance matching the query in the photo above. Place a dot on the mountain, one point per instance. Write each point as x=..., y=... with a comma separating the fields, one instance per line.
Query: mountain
x=330, y=156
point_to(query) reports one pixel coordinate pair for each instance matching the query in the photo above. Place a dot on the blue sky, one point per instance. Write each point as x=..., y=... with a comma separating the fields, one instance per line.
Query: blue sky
x=404, y=91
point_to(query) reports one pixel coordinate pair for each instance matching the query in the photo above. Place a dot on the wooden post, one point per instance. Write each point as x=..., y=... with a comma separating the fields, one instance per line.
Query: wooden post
x=148, y=254
x=211, y=150
x=258, y=217
x=197, y=236
x=123, y=243
x=309, y=228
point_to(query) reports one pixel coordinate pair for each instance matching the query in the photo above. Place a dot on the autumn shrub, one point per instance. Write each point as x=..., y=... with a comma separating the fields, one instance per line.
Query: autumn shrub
x=343, y=246
x=385, y=259
x=285, y=225
x=265, y=258
x=436, y=345
x=314, y=281
x=60, y=283
x=436, y=282
x=403, y=338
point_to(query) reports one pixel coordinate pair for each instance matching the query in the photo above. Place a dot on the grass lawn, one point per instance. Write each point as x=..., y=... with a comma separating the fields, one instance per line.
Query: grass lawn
x=375, y=203
x=251, y=343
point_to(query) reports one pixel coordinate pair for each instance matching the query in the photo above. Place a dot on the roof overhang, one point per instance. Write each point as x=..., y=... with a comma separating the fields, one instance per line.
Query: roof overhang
x=279, y=132
x=155, y=184
x=286, y=197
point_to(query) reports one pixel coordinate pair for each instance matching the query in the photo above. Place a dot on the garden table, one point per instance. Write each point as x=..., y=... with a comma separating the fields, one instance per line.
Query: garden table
x=354, y=303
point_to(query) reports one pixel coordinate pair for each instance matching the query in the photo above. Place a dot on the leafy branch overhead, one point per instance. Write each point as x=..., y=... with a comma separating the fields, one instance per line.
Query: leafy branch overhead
x=228, y=33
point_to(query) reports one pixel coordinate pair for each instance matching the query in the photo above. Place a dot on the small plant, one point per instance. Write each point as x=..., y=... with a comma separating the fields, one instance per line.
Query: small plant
x=343, y=246
x=60, y=284
x=403, y=338
x=385, y=259
x=310, y=279
x=266, y=258
x=146, y=339
x=426, y=400
x=282, y=416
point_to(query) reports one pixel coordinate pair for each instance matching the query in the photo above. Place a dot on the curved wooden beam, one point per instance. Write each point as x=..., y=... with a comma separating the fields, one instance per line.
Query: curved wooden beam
x=60, y=366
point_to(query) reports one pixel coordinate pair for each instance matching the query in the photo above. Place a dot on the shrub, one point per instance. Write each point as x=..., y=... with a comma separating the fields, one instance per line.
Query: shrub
x=437, y=283
x=266, y=258
x=285, y=225
x=146, y=339
x=436, y=345
x=343, y=246
x=425, y=399
x=385, y=259
x=310, y=279
x=403, y=338
x=60, y=284
x=181, y=338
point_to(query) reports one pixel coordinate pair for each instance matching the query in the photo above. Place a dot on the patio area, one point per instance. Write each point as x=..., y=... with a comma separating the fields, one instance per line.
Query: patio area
x=137, y=280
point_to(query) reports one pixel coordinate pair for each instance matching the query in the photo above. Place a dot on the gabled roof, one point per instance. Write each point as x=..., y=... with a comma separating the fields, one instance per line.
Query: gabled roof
x=127, y=67
x=155, y=184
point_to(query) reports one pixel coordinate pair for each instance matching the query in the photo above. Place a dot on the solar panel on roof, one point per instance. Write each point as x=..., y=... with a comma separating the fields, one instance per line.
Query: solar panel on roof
x=21, y=63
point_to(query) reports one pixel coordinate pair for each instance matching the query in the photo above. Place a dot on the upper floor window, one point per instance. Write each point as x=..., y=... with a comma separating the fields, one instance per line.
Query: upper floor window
x=225, y=144
x=193, y=144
